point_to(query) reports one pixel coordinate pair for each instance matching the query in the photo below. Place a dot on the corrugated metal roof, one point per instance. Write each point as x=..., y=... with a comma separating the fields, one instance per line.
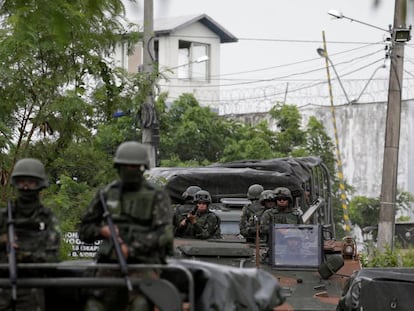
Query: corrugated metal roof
x=167, y=26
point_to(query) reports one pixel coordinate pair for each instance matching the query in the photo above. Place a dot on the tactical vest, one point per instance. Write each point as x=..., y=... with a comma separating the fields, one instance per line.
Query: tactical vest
x=134, y=207
x=283, y=217
x=33, y=234
x=132, y=213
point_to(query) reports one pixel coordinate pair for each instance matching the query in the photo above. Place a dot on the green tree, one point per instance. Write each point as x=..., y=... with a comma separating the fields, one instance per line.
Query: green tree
x=290, y=138
x=249, y=142
x=59, y=84
x=365, y=211
x=192, y=133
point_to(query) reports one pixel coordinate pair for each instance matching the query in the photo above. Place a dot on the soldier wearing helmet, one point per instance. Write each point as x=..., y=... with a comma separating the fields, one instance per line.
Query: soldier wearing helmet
x=36, y=230
x=251, y=213
x=281, y=211
x=201, y=223
x=189, y=205
x=142, y=214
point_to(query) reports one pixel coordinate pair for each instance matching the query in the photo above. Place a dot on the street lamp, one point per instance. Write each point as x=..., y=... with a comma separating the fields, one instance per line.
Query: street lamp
x=337, y=14
x=400, y=34
x=340, y=174
x=198, y=60
x=322, y=53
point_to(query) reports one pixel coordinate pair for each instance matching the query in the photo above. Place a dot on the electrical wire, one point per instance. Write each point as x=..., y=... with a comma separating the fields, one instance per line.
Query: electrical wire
x=275, y=40
x=253, y=81
x=292, y=64
x=292, y=90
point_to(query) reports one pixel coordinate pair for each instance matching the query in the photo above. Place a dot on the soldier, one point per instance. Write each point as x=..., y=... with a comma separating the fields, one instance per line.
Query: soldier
x=203, y=223
x=142, y=214
x=281, y=213
x=251, y=213
x=189, y=205
x=36, y=231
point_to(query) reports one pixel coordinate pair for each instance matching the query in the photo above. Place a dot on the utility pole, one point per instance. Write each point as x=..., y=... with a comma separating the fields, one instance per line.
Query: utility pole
x=386, y=225
x=340, y=174
x=149, y=122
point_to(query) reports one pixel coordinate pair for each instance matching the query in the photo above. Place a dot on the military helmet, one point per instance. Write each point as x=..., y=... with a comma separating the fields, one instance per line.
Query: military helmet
x=190, y=192
x=267, y=195
x=30, y=167
x=132, y=153
x=202, y=196
x=254, y=191
x=283, y=192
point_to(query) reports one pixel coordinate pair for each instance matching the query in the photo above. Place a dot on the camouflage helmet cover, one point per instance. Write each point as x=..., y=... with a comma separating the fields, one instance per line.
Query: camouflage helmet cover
x=189, y=193
x=254, y=191
x=132, y=153
x=267, y=195
x=30, y=167
x=202, y=196
x=283, y=192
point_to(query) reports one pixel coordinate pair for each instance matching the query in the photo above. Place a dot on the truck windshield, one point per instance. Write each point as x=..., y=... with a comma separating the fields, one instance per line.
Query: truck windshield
x=296, y=246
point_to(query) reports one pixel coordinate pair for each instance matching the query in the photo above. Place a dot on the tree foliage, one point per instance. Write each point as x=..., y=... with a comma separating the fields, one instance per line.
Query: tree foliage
x=365, y=211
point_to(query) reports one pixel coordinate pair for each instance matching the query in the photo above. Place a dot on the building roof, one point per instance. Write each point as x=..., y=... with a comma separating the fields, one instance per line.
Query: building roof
x=167, y=26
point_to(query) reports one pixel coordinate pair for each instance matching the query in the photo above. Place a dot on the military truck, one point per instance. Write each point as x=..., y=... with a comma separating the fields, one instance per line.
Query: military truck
x=183, y=285
x=311, y=274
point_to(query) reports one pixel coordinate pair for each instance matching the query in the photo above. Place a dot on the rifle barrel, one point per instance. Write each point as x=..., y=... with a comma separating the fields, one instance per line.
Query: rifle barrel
x=121, y=259
x=11, y=254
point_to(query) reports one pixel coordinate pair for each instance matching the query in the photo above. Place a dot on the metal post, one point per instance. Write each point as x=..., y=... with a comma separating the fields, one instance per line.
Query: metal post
x=340, y=173
x=392, y=138
x=149, y=123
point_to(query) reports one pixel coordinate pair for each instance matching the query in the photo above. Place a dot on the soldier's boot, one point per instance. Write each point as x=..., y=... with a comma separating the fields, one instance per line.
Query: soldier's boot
x=94, y=305
x=140, y=303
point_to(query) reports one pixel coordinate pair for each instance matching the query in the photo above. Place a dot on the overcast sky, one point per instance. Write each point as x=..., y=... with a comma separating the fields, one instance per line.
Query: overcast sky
x=278, y=39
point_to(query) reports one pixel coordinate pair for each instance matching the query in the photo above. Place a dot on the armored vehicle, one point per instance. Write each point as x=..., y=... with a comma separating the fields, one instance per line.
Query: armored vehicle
x=379, y=289
x=183, y=285
x=311, y=266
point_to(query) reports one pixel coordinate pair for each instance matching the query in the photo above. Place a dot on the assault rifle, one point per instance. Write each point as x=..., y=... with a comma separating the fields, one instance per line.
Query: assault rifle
x=12, y=256
x=117, y=245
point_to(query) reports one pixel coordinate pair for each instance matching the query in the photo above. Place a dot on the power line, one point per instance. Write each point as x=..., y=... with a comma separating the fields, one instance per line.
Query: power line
x=277, y=40
x=254, y=81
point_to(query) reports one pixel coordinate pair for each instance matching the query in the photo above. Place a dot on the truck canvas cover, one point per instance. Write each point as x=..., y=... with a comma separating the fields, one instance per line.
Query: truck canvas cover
x=222, y=182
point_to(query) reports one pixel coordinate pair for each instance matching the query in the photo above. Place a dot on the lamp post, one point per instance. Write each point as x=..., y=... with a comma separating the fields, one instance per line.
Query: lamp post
x=347, y=223
x=324, y=54
x=399, y=35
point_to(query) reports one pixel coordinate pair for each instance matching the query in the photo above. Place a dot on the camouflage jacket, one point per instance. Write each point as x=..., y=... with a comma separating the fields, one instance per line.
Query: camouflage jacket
x=207, y=226
x=143, y=218
x=181, y=212
x=37, y=236
x=274, y=216
x=247, y=223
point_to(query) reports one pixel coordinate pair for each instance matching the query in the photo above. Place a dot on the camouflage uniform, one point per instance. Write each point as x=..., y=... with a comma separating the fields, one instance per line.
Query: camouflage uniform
x=36, y=231
x=207, y=224
x=278, y=215
x=143, y=218
x=143, y=215
x=251, y=213
x=247, y=220
x=189, y=205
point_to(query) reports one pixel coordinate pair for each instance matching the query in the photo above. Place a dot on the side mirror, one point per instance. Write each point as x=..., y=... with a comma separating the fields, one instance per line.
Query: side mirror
x=330, y=267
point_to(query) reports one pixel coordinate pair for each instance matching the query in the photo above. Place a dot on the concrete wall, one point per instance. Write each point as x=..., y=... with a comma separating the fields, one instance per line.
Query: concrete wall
x=361, y=131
